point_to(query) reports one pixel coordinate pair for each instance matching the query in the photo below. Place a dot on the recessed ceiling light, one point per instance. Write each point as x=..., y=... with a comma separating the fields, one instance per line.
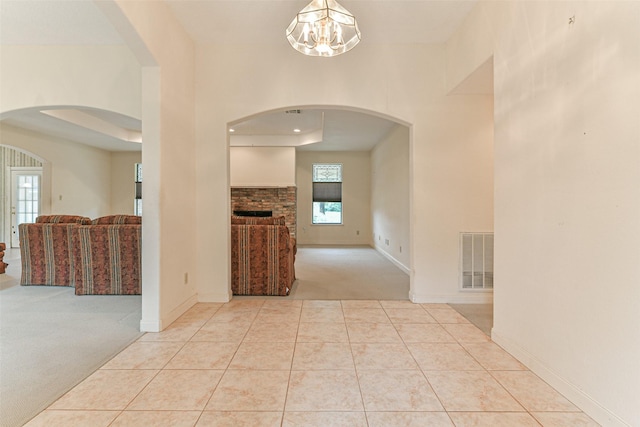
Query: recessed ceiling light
x=232, y=130
x=296, y=130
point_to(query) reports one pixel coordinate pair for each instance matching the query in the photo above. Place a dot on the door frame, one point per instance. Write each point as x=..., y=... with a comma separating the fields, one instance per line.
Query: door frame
x=10, y=192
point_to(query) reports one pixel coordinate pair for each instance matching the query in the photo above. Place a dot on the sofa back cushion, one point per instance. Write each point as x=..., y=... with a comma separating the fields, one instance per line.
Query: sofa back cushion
x=62, y=219
x=255, y=220
x=117, y=219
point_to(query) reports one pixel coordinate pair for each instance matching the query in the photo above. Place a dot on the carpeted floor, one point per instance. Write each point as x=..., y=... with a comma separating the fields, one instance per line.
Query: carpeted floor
x=51, y=339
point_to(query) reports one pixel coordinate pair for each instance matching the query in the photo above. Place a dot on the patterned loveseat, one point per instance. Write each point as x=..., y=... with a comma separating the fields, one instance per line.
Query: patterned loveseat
x=99, y=257
x=262, y=256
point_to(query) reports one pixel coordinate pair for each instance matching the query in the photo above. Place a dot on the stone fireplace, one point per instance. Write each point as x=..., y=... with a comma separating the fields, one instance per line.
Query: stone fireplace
x=280, y=200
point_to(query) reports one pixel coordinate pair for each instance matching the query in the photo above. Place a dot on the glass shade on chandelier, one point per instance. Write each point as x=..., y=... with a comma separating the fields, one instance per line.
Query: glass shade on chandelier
x=323, y=28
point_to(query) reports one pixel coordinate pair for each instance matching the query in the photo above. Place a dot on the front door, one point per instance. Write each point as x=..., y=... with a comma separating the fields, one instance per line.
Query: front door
x=25, y=199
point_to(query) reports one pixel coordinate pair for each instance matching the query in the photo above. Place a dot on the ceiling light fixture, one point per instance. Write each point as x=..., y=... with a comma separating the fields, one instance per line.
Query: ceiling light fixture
x=323, y=28
x=296, y=130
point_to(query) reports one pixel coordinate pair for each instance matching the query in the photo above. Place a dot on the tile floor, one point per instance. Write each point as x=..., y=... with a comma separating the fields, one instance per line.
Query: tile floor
x=272, y=362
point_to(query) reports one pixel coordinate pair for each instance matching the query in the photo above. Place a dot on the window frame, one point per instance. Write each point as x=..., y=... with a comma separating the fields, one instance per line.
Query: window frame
x=313, y=201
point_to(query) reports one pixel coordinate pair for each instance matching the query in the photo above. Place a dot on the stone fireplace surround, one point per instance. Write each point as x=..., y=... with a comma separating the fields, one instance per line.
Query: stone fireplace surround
x=280, y=200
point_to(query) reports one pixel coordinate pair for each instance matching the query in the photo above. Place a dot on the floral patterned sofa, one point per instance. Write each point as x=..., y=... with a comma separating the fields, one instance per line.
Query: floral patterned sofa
x=262, y=256
x=99, y=257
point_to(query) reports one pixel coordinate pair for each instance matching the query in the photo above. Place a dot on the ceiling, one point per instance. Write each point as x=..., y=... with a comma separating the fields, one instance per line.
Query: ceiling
x=66, y=22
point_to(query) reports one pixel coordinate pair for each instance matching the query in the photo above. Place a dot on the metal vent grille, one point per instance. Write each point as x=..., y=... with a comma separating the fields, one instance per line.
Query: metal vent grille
x=476, y=261
x=293, y=112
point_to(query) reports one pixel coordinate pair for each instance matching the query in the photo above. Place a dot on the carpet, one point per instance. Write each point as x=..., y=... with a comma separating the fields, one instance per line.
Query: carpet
x=51, y=339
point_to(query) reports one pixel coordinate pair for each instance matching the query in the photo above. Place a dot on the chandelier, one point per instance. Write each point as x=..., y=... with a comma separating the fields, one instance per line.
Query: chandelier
x=323, y=28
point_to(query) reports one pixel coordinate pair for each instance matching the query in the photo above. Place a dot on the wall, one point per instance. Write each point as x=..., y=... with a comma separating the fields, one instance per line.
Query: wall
x=262, y=166
x=104, y=77
x=122, y=178
x=356, y=199
x=79, y=178
x=567, y=200
x=390, y=214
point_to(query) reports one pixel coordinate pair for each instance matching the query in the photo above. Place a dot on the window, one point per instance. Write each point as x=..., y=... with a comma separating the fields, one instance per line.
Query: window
x=137, y=203
x=327, y=194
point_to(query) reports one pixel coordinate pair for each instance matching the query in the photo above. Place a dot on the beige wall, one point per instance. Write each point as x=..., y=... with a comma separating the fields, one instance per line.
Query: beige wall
x=390, y=184
x=356, y=199
x=567, y=200
x=262, y=166
x=122, y=181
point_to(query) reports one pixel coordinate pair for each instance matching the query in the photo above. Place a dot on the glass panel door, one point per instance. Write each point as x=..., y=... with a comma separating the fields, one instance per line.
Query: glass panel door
x=25, y=199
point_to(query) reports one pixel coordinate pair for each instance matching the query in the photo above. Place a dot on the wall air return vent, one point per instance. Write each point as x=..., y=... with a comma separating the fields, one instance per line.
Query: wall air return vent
x=476, y=261
x=293, y=112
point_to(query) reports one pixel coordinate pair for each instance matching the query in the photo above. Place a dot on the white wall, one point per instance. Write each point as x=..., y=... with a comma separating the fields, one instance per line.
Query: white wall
x=262, y=166
x=567, y=200
x=104, y=77
x=390, y=205
x=410, y=86
x=122, y=181
x=78, y=176
x=356, y=199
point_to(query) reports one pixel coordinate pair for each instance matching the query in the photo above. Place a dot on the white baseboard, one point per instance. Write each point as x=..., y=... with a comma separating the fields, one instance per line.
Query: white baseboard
x=579, y=398
x=458, y=298
x=150, y=325
x=393, y=260
x=159, y=324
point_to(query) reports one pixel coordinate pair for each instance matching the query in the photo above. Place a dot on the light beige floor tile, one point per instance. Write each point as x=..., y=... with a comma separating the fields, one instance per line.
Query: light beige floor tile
x=180, y=332
x=492, y=357
x=333, y=419
x=323, y=391
x=315, y=314
x=221, y=332
x=52, y=418
x=446, y=315
x=493, y=419
x=392, y=390
x=435, y=305
x=145, y=355
x=443, y=357
x=199, y=313
x=240, y=303
x=565, y=419
x=533, y=393
x=157, y=419
x=409, y=315
x=372, y=333
x=240, y=315
x=365, y=315
x=350, y=303
x=272, y=332
x=267, y=356
x=180, y=390
x=249, y=390
x=321, y=304
x=273, y=317
x=280, y=303
x=382, y=356
x=204, y=355
x=322, y=332
x=315, y=356
x=471, y=391
x=421, y=332
x=291, y=310
x=394, y=304
x=106, y=390
x=240, y=419
x=409, y=419
x=466, y=333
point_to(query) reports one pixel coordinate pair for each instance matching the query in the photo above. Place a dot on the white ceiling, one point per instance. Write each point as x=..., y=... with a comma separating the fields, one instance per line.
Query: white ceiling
x=63, y=22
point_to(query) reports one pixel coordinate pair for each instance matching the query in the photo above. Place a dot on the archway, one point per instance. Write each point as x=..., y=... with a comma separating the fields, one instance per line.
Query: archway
x=278, y=148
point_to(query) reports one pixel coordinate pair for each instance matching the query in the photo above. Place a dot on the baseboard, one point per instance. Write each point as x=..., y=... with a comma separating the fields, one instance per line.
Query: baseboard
x=582, y=400
x=393, y=260
x=165, y=321
x=458, y=298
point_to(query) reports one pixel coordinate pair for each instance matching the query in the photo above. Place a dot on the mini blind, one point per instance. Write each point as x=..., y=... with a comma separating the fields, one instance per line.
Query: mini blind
x=327, y=191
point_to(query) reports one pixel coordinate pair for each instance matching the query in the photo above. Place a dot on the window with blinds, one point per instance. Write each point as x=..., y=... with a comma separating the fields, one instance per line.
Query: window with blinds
x=327, y=194
x=476, y=261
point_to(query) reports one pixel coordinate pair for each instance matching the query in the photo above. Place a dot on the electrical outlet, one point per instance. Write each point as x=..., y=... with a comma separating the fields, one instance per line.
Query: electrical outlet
x=186, y=278
x=400, y=249
x=357, y=232
x=386, y=242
